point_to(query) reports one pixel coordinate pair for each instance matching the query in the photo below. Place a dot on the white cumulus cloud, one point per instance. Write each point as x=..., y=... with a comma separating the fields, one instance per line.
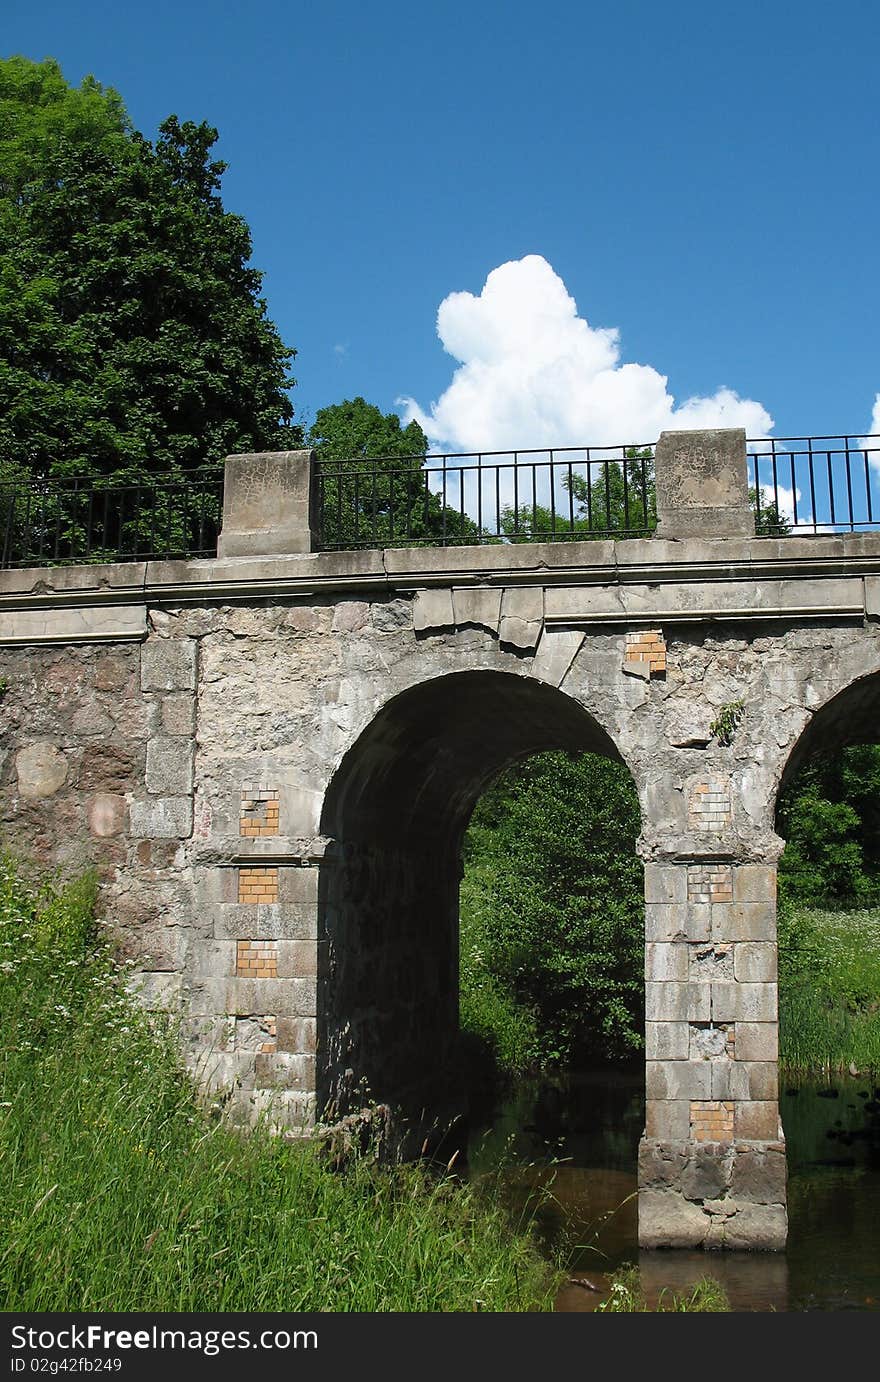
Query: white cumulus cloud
x=872, y=441
x=533, y=373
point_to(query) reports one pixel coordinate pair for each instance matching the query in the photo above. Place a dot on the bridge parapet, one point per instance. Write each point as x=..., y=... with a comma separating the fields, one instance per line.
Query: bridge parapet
x=273, y=502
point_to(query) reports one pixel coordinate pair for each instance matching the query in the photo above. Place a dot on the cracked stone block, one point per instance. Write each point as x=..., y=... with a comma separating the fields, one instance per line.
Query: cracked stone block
x=480, y=606
x=169, y=664
x=706, y=1174
x=432, y=610
x=757, y=1228
x=757, y=1041
x=519, y=633
x=522, y=618
x=660, y=1166
x=666, y=1041
x=161, y=818
x=556, y=652
x=170, y=767
x=759, y=1175
x=755, y=962
x=667, y=1219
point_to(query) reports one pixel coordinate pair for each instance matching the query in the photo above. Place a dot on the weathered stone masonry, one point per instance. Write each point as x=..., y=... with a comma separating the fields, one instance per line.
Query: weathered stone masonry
x=272, y=762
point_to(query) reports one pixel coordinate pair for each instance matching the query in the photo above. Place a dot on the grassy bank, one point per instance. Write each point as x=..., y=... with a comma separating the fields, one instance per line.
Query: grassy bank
x=120, y=1191
x=829, y=989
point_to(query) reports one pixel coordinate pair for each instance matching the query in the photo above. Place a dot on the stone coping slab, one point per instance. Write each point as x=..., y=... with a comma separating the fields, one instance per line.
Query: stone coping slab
x=633, y=560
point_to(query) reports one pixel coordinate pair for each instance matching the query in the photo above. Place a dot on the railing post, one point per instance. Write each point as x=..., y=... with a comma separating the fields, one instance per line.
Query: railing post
x=269, y=504
x=702, y=484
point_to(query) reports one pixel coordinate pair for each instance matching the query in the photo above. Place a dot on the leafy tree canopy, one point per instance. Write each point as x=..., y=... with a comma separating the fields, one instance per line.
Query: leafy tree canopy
x=355, y=428
x=40, y=113
x=830, y=819
x=133, y=338
x=379, y=491
x=553, y=903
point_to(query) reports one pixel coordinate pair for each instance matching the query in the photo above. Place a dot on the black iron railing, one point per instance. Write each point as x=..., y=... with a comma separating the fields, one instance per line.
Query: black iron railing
x=815, y=484
x=558, y=495
x=798, y=485
x=56, y=522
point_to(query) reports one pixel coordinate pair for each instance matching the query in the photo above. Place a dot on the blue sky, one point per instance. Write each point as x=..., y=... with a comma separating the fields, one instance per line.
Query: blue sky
x=700, y=179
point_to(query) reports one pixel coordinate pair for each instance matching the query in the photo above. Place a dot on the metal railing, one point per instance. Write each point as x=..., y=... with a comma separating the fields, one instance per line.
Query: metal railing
x=559, y=495
x=58, y=522
x=815, y=485
x=798, y=485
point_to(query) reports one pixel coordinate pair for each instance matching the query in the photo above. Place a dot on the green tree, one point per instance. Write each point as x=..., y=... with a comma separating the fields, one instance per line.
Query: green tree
x=830, y=819
x=133, y=338
x=40, y=114
x=769, y=522
x=373, y=487
x=553, y=897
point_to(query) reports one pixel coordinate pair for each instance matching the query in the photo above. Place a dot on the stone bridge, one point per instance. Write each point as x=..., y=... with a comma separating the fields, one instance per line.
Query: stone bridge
x=272, y=758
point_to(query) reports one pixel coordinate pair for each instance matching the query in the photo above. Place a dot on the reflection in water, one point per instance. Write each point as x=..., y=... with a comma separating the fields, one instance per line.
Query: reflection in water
x=572, y=1140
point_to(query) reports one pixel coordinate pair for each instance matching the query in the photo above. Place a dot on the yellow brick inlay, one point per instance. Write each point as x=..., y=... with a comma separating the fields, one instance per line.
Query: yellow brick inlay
x=260, y=809
x=711, y=1120
x=648, y=645
x=257, y=885
x=257, y=960
x=710, y=806
x=710, y=883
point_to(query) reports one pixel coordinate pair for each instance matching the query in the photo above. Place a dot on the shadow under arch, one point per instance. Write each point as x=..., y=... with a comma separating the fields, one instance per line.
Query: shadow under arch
x=851, y=716
x=395, y=814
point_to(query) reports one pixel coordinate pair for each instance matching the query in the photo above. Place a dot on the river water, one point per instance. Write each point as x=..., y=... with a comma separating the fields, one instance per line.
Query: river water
x=573, y=1139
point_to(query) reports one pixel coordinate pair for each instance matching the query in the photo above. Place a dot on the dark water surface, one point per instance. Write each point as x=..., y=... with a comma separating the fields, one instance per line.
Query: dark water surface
x=575, y=1136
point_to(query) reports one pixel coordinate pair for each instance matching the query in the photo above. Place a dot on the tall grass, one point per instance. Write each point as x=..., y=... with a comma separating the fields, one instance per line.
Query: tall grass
x=120, y=1192
x=829, y=989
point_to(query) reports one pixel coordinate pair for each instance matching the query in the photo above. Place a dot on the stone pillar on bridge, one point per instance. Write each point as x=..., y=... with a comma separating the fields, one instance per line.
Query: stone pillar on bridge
x=269, y=504
x=712, y=1168
x=702, y=484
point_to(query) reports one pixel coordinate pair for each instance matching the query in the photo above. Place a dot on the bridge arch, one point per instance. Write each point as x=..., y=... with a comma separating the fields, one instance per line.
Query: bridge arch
x=849, y=716
x=395, y=814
